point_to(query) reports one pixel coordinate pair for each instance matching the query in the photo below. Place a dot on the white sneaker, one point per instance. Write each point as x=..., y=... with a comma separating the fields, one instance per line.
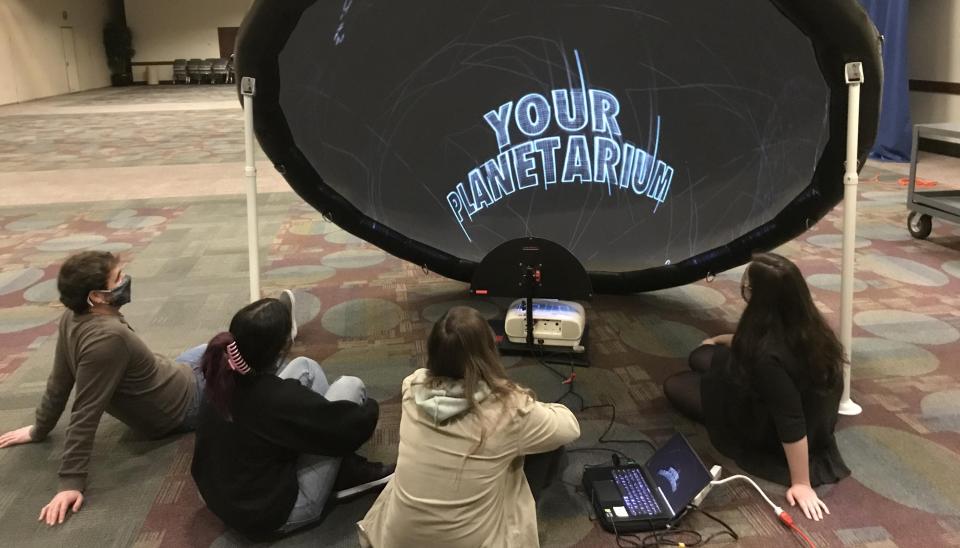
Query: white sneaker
x=360, y=489
x=287, y=298
x=358, y=475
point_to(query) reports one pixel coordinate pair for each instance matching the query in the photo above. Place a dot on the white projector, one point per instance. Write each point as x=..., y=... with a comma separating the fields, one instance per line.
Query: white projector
x=555, y=322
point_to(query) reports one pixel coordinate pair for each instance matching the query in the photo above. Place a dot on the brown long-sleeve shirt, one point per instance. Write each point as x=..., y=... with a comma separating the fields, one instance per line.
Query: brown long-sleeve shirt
x=113, y=371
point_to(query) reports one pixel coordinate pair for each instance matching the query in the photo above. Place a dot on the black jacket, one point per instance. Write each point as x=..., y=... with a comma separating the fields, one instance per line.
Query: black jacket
x=246, y=468
x=749, y=421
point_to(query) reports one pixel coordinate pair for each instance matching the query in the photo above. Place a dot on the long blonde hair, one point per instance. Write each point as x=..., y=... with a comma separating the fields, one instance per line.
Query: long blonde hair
x=462, y=347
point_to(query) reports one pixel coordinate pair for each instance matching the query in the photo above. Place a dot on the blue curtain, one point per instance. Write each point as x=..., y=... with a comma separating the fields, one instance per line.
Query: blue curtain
x=893, y=136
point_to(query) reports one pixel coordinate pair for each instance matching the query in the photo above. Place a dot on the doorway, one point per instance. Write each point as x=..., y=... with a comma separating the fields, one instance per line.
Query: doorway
x=228, y=40
x=70, y=59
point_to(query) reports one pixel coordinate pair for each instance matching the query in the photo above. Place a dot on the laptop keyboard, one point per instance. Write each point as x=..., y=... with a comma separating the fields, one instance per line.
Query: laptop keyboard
x=637, y=497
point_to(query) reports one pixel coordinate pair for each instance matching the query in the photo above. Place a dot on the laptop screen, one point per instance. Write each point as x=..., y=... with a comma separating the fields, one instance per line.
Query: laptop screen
x=678, y=472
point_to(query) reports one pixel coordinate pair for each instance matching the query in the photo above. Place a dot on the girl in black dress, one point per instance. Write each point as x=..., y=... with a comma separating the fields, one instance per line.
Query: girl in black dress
x=769, y=393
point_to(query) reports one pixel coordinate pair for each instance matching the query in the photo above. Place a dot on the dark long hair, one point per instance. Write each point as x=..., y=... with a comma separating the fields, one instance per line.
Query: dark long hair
x=780, y=312
x=462, y=347
x=262, y=333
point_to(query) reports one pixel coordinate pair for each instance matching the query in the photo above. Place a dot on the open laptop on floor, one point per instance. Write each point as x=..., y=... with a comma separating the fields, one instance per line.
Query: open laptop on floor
x=632, y=497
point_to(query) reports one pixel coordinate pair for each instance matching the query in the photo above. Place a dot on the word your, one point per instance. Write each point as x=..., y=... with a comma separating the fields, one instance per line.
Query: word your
x=584, y=145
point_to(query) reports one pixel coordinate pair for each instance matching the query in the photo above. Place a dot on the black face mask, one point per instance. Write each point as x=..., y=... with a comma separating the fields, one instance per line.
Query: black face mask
x=120, y=295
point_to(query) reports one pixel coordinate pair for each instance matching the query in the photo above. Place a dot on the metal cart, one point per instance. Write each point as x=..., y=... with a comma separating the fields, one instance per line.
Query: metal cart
x=926, y=204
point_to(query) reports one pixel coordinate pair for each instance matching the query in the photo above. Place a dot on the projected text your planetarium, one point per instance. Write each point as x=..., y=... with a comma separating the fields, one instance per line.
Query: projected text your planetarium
x=575, y=155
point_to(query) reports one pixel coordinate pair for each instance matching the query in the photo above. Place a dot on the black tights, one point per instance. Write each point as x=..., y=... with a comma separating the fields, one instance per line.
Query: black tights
x=683, y=389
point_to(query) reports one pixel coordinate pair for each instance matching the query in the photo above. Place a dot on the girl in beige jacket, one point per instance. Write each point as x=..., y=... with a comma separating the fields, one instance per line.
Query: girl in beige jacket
x=464, y=431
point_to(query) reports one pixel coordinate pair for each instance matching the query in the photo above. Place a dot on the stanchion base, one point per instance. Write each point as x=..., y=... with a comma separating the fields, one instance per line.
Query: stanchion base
x=850, y=408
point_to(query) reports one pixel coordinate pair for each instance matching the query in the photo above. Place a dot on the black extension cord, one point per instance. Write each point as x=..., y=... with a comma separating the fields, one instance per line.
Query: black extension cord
x=571, y=391
x=676, y=537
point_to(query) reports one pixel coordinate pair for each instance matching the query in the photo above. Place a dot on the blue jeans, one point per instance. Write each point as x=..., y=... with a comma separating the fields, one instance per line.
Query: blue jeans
x=192, y=358
x=316, y=474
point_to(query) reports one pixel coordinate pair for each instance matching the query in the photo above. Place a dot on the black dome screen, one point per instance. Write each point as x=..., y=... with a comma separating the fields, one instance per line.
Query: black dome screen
x=657, y=141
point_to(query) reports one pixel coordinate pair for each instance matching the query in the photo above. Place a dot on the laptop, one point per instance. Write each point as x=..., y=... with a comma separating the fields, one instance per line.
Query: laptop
x=630, y=498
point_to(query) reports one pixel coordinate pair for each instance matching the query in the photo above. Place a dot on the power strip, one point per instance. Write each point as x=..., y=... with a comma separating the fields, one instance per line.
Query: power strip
x=715, y=474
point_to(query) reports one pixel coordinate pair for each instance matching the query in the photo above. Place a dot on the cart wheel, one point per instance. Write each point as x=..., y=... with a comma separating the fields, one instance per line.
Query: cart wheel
x=919, y=225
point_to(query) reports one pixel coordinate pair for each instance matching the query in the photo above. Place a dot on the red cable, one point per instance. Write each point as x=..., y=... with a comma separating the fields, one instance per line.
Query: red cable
x=904, y=181
x=802, y=534
x=787, y=519
x=784, y=517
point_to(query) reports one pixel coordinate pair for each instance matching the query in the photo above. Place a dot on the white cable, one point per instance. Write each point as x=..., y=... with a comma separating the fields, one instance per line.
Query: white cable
x=776, y=509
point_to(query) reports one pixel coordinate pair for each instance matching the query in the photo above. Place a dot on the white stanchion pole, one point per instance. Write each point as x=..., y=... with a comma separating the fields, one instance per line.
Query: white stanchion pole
x=248, y=90
x=854, y=77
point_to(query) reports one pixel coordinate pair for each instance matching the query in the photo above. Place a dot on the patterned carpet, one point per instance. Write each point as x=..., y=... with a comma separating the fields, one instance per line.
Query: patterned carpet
x=365, y=313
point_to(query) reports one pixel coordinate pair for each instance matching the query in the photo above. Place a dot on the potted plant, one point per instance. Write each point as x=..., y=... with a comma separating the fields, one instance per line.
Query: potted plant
x=118, y=43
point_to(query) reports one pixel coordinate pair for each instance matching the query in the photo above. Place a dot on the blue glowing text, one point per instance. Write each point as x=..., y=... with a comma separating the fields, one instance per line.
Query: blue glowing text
x=560, y=138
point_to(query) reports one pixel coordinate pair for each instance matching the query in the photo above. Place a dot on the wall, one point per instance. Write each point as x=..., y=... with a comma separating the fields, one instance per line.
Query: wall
x=164, y=30
x=934, y=28
x=31, y=50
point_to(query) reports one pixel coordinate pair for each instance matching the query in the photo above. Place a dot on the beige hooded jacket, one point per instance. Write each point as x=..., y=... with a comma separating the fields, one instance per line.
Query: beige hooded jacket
x=441, y=494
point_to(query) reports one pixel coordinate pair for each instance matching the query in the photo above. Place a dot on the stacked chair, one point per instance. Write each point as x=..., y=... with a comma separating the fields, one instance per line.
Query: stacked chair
x=220, y=73
x=202, y=71
x=180, y=72
x=193, y=70
x=206, y=71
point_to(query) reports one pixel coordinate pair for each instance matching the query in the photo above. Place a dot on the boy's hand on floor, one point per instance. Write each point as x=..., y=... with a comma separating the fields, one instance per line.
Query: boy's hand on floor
x=55, y=512
x=16, y=437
